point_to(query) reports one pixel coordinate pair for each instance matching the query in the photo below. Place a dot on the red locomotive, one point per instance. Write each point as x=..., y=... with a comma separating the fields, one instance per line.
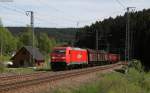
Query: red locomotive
x=61, y=57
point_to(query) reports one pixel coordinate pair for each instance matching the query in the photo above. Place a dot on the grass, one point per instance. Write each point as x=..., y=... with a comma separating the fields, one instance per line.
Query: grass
x=134, y=81
x=2, y=68
x=4, y=58
x=118, y=83
x=19, y=70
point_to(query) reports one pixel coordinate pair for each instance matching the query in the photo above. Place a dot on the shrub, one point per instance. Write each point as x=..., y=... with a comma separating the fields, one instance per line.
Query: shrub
x=146, y=82
x=137, y=65
x=135, y=76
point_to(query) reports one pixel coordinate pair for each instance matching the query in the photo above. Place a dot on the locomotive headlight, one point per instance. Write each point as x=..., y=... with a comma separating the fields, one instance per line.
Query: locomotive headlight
x=53, y=57
x=63, y=57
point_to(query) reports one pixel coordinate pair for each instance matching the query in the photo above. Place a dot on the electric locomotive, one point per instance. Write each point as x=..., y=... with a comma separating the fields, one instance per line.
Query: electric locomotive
x=62, y=57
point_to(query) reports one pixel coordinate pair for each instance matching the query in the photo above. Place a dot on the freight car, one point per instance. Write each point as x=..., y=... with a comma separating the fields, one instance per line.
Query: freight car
x=62, y=57
x=97, y=57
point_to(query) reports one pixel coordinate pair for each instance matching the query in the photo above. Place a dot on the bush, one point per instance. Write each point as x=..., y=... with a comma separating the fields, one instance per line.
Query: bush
x=146, y=82
x=135, y=76
x=137, y=65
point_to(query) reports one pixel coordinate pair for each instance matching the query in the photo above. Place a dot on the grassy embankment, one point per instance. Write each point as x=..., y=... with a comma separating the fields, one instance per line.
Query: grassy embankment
x=134, y=81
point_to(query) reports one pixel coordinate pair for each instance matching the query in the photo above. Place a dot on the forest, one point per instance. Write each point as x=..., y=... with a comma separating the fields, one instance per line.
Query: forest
x=112, y=33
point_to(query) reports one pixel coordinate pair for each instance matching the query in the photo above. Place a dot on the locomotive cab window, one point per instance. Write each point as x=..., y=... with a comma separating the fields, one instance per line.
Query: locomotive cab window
x=59, y=51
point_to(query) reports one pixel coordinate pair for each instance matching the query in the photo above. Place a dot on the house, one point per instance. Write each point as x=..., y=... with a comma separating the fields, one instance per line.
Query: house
x=27, y=56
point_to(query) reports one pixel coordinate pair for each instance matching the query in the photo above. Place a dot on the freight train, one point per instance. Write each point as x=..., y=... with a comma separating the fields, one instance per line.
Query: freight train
x=63, y=57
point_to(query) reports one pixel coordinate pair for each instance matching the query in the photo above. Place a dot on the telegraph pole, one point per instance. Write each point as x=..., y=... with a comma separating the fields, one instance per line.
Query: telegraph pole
x=128, y=36
x=31, y=14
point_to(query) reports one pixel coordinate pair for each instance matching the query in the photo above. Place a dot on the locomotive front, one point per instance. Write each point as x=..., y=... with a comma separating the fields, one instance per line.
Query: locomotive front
x=58, y=58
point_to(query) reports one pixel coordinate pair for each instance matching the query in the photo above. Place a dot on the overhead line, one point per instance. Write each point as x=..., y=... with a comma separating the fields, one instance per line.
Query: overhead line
x=120, y=4
x=50, y=6
x=22, y=11
x=58, y=10
x=12, y=9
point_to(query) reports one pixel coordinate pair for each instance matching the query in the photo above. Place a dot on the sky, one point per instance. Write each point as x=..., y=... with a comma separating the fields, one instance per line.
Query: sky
x=64, y=13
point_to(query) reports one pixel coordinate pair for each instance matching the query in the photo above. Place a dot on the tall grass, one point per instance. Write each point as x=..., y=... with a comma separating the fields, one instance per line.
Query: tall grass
x=2, y=68
x=133, y=82
x=4, y=58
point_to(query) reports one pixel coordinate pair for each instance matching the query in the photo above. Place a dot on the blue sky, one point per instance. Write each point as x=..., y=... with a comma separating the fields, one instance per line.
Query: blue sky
x=64, y=13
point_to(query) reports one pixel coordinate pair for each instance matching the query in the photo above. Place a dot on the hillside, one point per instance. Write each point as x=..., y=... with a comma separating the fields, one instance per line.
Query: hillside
x=60, y=34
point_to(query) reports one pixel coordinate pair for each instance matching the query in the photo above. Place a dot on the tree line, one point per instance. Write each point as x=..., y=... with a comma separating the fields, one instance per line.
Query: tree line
x=60, y=34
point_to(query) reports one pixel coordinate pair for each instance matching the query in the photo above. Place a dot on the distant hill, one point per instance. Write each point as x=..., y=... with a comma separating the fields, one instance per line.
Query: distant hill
x=60, y=34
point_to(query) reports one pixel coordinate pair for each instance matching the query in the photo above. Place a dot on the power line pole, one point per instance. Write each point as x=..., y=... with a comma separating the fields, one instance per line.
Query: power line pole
x=97, y=39
x=1, y=42
x=31, y=14
x=128, y=37
x=76, y=34
x=77, y=29
x=77, y=24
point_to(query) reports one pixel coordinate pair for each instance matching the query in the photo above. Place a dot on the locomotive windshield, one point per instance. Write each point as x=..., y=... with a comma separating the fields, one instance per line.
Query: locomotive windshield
x=59, y=51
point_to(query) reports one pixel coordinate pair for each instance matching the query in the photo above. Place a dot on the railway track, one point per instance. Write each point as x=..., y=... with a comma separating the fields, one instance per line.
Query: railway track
x=15, y=82
x=18, y=78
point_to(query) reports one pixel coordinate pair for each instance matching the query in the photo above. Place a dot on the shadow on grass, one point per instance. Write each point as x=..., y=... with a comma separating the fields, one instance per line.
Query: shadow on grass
x=43, y=69
x=120, y=71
